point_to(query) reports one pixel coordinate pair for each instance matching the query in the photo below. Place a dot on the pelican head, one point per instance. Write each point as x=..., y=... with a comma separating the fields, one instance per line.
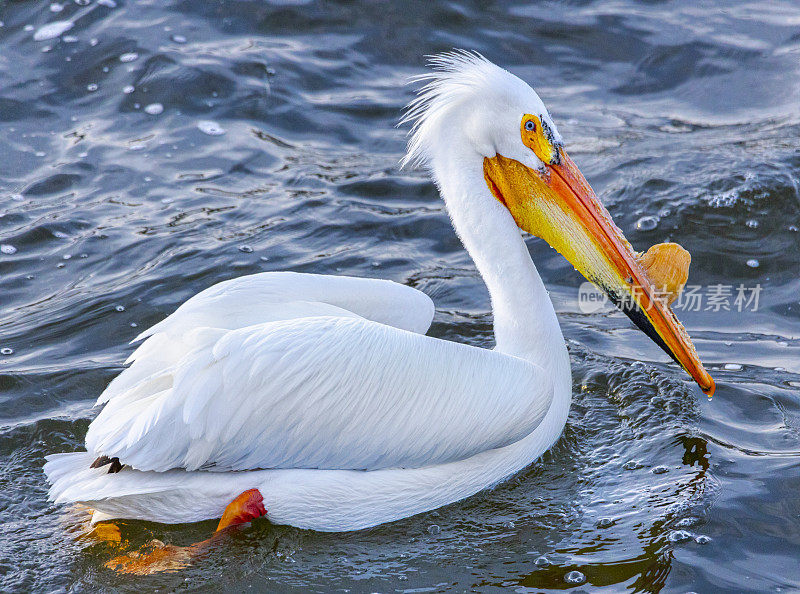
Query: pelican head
x=474, y=117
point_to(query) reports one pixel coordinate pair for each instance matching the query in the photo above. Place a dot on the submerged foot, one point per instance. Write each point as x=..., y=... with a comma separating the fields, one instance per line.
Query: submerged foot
x=156, y=556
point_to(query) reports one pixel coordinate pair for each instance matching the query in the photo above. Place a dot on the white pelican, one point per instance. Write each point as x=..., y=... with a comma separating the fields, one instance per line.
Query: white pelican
x=322, y=400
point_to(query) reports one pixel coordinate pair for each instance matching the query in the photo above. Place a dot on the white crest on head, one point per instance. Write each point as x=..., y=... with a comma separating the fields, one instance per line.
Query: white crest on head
x=467, y=99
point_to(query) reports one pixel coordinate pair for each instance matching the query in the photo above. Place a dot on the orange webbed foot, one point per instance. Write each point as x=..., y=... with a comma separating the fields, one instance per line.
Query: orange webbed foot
x=157, y=557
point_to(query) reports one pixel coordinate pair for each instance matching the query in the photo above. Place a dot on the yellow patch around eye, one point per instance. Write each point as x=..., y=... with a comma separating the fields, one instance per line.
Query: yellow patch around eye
x=537, y=138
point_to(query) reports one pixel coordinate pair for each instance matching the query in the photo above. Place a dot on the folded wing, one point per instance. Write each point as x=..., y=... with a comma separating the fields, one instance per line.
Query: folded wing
x=324, y=391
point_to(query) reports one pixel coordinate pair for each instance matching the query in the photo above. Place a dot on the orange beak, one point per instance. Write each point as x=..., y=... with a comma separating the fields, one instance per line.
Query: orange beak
x=558, y=205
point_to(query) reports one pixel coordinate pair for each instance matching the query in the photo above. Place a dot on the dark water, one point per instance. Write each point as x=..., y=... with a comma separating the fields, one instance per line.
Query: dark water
x=118, y=211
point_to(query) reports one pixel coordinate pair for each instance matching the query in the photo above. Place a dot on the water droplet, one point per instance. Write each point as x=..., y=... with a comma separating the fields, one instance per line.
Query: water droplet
x=128, y=89
x=732, y=366
x=752, y=223
x=120, y=308
x=6, y=351
x=91, y=87
x=56, y=7
x=574, y=577
x=702, y=539
x=128, y=57
x=605, y=523
x=8, y=249
x=246, y=249
x=679, y=536
x=753, y=263
x=660, y=470
x=434, y=529
x=178, y=39
x=542, y=561
x=647, y=223
x=51, y=30
x=154, y=108
x=210, y=127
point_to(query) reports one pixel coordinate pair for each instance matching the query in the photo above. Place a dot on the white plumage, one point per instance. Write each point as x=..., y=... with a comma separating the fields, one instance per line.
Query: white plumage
x=323, y=392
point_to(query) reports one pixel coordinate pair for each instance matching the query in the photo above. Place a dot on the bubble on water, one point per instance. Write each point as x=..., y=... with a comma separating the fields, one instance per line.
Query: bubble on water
x=575, y=577
x=753, y=263
x=702, y=539
x=605, y=523
x=107, y=3
x=8, y=249
x=56, y=7
x=210, y=127
x=66, y=257
x=52, y=30
x=509, y=525
x=631, y=465
x=246, y=249
x=154, y=108
x=17, y=197
x=434, y=529
x=647, y=223
x=60, y=265
x=6, y=351
x=40, y=154
x=732, y=367
x=82, y=2
x=660, y=470
x=120, y=308
x=129, y=57
x=752, y=223
x=178, y=39
x=91, y=87
x=679, y=536
x=93, y=41
x=128, y=89
x=542, y=561
x=69, y=39
x=793, y=228
x=687, y=522
x=136, y=106
x=28, y=28
x=133, y=324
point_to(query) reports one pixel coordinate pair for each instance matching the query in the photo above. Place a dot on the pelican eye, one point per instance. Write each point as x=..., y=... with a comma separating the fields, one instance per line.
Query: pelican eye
x=538, y=136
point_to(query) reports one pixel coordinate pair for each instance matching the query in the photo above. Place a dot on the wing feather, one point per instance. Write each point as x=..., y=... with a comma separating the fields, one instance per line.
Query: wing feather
x=326, y=392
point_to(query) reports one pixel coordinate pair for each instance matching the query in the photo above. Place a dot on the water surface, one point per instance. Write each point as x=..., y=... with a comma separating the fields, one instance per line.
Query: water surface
x=151, y=149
